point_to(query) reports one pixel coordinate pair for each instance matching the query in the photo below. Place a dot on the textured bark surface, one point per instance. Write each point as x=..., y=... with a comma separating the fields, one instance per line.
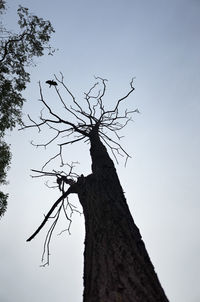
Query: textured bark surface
x=117, y=267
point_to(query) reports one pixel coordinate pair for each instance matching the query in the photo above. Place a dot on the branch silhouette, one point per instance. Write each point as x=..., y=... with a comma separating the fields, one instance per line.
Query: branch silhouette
x=47, y=216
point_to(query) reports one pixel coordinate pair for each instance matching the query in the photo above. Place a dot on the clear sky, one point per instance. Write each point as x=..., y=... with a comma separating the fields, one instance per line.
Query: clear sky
x=157, y=41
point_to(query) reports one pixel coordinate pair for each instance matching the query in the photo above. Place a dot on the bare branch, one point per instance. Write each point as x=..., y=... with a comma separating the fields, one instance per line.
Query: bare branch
x=69, y=92
x=114, y=149
x=70, y=111
x=70, y=190
x=126, y=96
x=47, y=241
x=111, y=120
x=65, y=132
x=115, y=110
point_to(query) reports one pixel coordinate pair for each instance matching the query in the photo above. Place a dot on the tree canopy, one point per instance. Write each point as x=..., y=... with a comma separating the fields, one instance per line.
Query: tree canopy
x=17, y=53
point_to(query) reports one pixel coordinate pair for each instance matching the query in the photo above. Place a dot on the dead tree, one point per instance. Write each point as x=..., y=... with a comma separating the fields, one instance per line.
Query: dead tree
x=117, y=267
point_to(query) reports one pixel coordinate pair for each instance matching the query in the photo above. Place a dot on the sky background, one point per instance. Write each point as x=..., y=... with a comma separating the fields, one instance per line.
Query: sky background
x=158, y=42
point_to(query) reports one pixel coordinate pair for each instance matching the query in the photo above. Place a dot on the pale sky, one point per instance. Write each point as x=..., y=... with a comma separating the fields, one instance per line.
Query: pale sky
x=158, y=42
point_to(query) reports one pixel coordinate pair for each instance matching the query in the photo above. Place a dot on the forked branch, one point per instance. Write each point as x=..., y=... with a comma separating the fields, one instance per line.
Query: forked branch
x=48, y=215
x=82, y=117
x=61, y=204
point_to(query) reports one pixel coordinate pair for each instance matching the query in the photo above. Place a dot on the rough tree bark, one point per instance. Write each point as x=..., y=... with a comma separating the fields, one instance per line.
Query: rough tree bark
x=117, y=267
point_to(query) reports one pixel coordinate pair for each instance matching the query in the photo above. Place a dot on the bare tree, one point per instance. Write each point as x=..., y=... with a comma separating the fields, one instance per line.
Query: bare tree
x=117, y=267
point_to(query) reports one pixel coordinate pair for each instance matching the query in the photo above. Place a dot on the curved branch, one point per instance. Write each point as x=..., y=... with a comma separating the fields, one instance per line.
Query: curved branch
x=70, y=190
x=10, y=42
x=115, y=110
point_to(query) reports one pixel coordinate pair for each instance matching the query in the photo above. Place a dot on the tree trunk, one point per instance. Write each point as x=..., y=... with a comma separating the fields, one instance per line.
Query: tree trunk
x=117, y=267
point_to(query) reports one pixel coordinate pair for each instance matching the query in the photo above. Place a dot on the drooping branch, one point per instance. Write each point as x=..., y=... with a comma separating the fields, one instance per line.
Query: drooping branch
x=46, y=248
x=62, y=178
x=48, y=215
x=62, y=204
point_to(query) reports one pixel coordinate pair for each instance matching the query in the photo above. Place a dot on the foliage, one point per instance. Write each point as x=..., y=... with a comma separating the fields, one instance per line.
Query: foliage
x=2, y=6
x=5, y=157
x=17, y=52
